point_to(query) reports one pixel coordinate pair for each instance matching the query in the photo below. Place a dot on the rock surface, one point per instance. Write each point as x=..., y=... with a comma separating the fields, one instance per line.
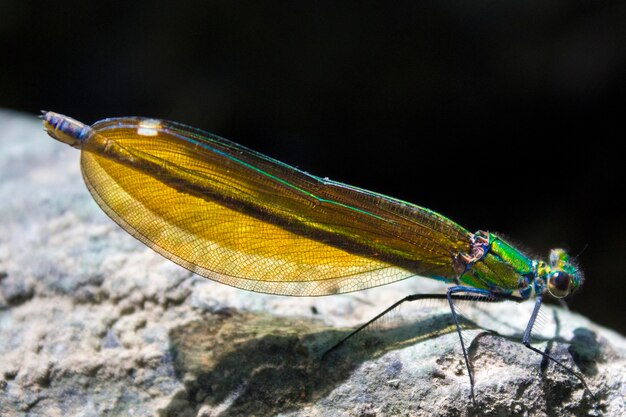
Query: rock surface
x=92, y=323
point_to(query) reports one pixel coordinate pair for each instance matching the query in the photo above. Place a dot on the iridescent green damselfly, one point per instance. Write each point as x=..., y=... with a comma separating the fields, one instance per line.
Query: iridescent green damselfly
x=241, y=218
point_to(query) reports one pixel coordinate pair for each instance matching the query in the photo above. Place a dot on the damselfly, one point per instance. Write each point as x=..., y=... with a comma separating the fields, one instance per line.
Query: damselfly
x=241, y=218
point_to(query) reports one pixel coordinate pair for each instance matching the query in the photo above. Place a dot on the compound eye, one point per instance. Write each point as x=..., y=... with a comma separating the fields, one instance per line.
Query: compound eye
x=560, y=284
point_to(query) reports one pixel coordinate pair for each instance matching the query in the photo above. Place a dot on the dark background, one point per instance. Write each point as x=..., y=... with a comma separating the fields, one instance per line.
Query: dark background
x=501, y=115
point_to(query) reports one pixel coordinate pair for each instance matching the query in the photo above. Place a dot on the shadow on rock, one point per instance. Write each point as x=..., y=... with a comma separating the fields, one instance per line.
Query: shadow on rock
x=236, y=363
x=244, y=364
x=586, y=350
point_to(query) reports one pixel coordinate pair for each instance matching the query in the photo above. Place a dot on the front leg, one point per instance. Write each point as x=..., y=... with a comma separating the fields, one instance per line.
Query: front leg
x=526, y=342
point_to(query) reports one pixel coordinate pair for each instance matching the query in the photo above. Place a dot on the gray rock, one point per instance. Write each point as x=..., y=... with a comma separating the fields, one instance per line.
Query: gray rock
x=92, y=323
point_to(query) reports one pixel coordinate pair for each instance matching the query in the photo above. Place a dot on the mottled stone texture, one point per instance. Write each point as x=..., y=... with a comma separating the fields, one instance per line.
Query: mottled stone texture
x=92, y=323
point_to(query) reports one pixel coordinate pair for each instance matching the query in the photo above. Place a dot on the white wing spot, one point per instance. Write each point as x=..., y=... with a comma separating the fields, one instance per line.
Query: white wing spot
x=149, y=127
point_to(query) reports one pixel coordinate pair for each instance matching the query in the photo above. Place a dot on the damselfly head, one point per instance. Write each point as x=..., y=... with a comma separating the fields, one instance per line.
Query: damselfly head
x=564, y=277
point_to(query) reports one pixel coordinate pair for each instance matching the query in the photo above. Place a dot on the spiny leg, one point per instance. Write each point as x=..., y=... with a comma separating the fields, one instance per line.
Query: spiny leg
x=414, y=297
x=526, y=342
x=479, y=295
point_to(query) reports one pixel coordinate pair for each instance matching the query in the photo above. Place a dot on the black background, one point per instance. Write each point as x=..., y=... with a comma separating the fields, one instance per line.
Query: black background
x=503, y=116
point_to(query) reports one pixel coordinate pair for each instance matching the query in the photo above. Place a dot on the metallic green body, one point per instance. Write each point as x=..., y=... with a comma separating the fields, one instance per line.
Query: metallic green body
x=503, y=269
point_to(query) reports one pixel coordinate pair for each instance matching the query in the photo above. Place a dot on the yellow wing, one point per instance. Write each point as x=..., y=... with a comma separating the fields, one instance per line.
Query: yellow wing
x=264, y=227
